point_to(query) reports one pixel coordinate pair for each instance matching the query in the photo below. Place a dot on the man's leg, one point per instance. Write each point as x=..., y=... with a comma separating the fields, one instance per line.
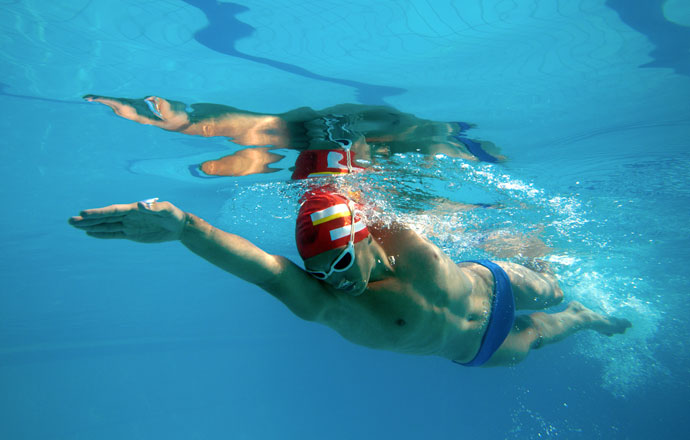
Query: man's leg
x=538, y=329
x=243, y=163
x=532, y=290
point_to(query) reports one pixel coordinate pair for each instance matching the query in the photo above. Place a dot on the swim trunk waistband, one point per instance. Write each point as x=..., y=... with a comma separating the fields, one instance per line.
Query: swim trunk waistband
x=501, y=318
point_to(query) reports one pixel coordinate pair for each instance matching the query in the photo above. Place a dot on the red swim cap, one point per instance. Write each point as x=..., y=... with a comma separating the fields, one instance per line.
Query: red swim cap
x=324, y=223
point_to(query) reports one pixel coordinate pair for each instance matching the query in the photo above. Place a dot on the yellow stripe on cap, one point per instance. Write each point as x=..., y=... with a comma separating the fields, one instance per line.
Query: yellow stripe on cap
x=330, y=213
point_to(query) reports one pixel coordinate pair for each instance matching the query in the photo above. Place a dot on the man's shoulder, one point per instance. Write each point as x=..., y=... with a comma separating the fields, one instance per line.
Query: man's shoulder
x=409, y=247
x=398, y=237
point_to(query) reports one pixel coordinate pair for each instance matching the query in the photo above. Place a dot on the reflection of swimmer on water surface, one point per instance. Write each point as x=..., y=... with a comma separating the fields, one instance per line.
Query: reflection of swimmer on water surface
x=374, y=131
x=328, y=145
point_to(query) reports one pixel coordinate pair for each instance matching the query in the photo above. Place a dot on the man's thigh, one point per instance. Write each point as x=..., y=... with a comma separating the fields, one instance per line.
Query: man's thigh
x=520, y=340
x=532, y=290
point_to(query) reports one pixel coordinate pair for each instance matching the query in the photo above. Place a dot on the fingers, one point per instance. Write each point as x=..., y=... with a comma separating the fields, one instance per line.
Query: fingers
x=109, y=227
x=110, y=102
x=103, y=227
x=81, y=222
x=108, y=214
x=151, y=110
x=109, y=211
x=121, y=106
x=116, y=213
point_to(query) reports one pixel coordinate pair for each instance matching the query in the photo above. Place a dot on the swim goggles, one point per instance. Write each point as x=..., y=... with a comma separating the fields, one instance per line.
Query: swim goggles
x=345, y=260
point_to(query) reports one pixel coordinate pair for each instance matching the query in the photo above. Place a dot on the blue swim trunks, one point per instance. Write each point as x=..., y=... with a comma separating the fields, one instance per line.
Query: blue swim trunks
x=501, y=318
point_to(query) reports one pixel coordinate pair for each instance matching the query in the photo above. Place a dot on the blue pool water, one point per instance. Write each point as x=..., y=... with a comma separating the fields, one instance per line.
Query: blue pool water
x=588, y=100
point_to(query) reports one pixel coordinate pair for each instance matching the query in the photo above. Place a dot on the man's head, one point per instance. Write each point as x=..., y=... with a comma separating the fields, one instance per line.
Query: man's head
x=328, y=228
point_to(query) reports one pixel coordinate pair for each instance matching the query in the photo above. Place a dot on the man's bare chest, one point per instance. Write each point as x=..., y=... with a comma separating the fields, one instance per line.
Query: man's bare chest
x=393, y=316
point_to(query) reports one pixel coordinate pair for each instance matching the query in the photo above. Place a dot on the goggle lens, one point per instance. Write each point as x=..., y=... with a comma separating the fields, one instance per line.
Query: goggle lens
x=344, y=262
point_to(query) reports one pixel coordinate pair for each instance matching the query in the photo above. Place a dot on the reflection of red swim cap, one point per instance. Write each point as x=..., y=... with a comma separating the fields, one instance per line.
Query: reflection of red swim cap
x=324, y=223
x=315, y=163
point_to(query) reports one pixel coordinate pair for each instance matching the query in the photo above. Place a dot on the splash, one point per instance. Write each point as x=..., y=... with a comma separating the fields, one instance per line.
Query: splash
x=591, y=268
x=628, y=361
x=481, y=202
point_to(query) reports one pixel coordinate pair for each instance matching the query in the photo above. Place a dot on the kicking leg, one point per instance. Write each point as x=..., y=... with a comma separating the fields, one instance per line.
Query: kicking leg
x=532, y=290
x=538, y=329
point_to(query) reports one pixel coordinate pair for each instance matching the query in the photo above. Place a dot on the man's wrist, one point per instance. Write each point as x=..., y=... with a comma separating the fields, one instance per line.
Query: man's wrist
x=187, y=224
x=192, y=227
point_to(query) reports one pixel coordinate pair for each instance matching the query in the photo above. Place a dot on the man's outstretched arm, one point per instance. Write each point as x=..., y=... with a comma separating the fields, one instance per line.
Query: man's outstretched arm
x=242, y=126
x=158, y=222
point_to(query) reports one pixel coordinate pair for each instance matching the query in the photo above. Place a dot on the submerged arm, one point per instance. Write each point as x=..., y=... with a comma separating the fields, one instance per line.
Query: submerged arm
x=161, y=221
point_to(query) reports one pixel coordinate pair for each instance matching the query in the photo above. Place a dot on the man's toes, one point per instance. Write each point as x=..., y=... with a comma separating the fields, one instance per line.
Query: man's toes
x=623, y=324
x=617, y=326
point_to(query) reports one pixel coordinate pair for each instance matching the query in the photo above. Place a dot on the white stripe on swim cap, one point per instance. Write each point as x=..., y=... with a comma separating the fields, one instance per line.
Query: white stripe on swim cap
x=329, y=213
x=345, y=230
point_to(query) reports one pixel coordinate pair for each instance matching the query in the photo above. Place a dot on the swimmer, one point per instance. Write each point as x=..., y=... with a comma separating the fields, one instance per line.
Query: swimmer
x=383, y=288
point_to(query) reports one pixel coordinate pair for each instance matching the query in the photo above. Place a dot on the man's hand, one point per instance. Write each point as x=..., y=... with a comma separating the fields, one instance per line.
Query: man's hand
x=154, y=222
x=168, y=115
x=144, y=222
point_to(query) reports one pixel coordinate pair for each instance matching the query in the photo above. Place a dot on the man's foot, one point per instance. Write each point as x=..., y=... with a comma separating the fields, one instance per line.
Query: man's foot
x=606, y=325
x=243, y=163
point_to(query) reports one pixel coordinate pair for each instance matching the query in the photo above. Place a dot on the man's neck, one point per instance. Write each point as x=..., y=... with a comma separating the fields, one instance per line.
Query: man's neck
x=384, y=265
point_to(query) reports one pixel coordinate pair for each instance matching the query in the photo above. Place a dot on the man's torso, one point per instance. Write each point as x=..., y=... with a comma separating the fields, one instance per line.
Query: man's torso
x=429, y=306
